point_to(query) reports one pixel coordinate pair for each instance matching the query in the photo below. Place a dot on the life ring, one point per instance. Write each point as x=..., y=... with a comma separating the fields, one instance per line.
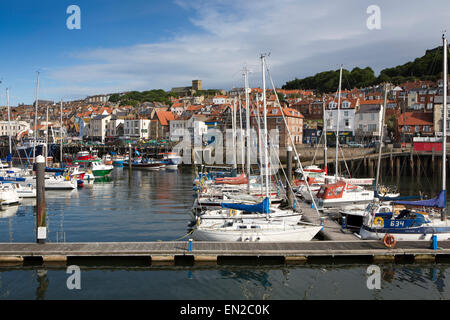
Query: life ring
x=378, y=221
x=233, y=212
x=389, y=240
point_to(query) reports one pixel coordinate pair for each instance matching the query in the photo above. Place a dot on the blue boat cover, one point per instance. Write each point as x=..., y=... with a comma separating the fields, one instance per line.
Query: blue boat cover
x=262, y=207
x=380, y=196
x=437, y=202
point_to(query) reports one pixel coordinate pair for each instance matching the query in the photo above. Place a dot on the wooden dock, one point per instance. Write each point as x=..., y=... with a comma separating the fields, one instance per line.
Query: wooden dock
x=331, y=229
x=169, y=252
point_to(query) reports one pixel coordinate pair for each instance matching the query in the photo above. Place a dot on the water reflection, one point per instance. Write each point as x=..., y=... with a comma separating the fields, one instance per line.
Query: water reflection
x=226, y=282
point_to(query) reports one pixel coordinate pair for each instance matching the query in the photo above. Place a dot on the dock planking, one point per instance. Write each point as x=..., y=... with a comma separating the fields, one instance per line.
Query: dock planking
x=331, y=230
x=167, y=251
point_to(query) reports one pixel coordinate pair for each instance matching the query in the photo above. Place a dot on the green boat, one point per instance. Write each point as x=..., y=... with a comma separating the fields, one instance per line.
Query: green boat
x=98, y=168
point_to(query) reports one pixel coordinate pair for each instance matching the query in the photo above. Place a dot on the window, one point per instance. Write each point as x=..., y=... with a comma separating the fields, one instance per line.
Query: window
x=345, y=113
x=429, y=106
x=417, y=128
x=426, y=129
x=347, y=123
x=372, y=116
x=372, y=127
x=361, y=116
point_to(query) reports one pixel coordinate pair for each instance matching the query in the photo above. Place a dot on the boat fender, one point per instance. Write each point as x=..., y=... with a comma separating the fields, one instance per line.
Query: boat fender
x=389, y=240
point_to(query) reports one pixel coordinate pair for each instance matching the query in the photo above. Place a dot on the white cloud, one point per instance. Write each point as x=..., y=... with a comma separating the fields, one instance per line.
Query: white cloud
x=303, y=37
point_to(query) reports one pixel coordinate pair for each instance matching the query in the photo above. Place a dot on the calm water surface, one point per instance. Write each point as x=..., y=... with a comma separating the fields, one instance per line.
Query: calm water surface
x=153, y=206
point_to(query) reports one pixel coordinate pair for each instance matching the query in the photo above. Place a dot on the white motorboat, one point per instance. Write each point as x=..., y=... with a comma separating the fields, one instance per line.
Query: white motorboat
x=56, y=182
x=25, y=191
x=336, y=195
x=8, y=194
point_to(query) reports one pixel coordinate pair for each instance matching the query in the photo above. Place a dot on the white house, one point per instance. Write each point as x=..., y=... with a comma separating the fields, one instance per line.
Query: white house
x=346, y=117
x=15, y=127
x=368, y=121
x=97, y=127
x=137, y=128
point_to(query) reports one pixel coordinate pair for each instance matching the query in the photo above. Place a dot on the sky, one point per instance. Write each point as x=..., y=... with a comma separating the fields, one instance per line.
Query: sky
x=152, y=44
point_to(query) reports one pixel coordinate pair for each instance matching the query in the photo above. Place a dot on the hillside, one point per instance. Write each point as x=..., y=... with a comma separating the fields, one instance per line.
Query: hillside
x=427, y=67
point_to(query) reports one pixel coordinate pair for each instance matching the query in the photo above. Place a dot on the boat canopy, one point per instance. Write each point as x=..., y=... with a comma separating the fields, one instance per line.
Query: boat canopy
x=262, y=207
x=399, y=198
x=437, y=202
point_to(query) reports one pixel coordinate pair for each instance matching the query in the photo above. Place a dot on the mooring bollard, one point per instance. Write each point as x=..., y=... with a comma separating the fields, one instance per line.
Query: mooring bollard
x=190, y=245
x=344, y=223
x=322, y=221
x=41, y=228
x=434, y=239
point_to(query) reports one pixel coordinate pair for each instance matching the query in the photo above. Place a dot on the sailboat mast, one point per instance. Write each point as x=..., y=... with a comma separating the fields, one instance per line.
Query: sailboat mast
x=260, y=144
x=266, y=158
x=337, y=124
x=247, y=126
x=35, y=118
x=325, y=157
x=46, y=139
x=382, y=115
x=9, y=121
x=234, y=136
x=241, y=134
x=61, y=136
x=444, y=129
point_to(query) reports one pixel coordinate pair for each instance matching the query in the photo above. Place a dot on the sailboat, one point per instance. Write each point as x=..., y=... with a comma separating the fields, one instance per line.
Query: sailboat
x=420, y=220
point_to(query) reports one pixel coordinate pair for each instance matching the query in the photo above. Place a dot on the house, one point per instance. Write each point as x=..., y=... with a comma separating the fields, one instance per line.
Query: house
x=415, y=124
x=346, y=115
x=97, y=127
x=294, y=122
x=136, y=128
x=368, y=122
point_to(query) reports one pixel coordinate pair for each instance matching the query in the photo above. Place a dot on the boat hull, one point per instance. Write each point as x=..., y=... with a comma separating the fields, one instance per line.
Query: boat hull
x=299, y=234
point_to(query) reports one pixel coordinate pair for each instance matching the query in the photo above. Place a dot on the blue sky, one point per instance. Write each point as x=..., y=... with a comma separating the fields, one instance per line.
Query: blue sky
x=141, y=45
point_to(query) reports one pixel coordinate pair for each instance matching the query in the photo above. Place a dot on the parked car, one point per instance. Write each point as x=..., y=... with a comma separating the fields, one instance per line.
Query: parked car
x=353, y=144
x=373, y=144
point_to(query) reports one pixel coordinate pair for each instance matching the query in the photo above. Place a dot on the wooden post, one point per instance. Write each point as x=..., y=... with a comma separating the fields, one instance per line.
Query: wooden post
x=411, y=161
x=289, y=176
x=130, y=158
x=418, y=166
x=397, y=160
x=41, y=228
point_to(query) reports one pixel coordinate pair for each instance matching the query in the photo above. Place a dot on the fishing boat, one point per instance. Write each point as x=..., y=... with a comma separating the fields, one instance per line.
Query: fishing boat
x=147, y=164
x=107, y=159
x=171, y=160
x=118, y=160
x=95, y=168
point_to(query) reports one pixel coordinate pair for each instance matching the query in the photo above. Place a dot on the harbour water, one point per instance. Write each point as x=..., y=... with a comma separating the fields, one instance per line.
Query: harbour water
x=152, y=206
